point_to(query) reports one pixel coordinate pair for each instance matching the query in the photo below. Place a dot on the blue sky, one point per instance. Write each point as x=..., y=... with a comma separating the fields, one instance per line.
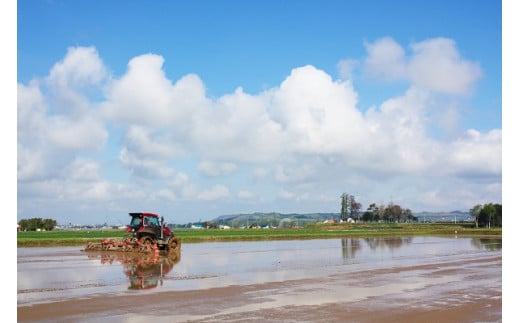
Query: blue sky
x=201, y=108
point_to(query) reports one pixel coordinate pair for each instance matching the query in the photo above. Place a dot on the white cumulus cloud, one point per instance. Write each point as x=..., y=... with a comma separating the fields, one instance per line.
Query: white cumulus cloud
x=143, y=137
x=434, y=64
x=145, y=96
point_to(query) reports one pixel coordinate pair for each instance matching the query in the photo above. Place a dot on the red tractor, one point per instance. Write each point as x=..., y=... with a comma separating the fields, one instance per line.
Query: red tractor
x=148, y=234
x=149, y=229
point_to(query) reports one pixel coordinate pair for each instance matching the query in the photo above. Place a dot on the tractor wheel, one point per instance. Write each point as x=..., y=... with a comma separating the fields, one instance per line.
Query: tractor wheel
x=174, y=256
x=173, y=242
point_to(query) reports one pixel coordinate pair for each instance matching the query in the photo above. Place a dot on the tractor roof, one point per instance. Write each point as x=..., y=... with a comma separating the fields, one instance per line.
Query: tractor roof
x=144, y=214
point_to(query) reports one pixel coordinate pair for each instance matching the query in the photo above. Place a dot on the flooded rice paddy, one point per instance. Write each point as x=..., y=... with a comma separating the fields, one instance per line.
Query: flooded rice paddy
x=268, y=280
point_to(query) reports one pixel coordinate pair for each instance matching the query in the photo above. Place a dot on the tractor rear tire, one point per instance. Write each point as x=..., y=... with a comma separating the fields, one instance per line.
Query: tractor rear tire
x=173, y=243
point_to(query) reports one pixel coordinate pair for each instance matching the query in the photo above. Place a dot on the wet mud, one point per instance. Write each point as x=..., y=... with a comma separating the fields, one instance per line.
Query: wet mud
x=331, y=280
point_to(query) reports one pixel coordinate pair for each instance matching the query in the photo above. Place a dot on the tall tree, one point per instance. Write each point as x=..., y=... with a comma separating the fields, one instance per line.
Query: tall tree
x=475, y=211
x=393, y=212
x=498, y=220
x=349, y=207
x=344, y=206
x=372, y=213
x=488, y=213
x=354, y=208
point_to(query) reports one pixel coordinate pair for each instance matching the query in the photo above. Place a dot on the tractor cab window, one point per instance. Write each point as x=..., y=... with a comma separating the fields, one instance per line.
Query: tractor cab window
x=135, y=221
x=151, y=221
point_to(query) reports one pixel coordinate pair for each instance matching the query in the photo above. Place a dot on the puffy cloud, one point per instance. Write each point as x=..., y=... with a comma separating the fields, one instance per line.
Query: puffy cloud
x=144, y=168
x=242, y=124
x=81, y=169
x=434, y=64
x=31, y=124
x=476, y=154
x=79, y=75
x=75, y=194
x=307, y=134
x=50, y=132
x=149, y=143
x=80, y=67
x=31, y=113
x=83, y=134
x=147, y=152
x=346, y=68
x=144, y=96
x=399, y=134
x=385, y=60
x=30, y=164
x=309, y=113
x=317, y=115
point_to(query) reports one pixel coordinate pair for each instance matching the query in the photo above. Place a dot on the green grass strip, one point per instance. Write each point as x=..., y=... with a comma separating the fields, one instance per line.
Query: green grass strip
x=81, y=237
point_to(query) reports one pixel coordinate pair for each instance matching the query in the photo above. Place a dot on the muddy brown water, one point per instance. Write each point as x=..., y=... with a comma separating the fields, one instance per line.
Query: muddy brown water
x=407, y=279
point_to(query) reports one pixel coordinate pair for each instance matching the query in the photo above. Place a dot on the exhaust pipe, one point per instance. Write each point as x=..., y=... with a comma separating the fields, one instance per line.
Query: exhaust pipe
x=162, y=228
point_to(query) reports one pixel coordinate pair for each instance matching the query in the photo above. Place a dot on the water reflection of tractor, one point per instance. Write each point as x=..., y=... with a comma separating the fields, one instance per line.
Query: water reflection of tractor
x=144, y=270
x=148, y=271
x=147, y=234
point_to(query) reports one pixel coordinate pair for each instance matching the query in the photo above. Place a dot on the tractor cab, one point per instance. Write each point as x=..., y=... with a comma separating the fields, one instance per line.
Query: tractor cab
x=147, y=224
x=146, y=219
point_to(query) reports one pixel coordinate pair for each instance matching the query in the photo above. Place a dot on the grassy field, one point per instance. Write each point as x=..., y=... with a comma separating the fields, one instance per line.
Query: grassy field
x=81, y=237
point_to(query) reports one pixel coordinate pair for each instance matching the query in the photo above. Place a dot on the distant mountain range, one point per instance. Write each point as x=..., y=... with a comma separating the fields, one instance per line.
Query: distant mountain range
x=454, y=216
x=272, y=219
x=275, y=219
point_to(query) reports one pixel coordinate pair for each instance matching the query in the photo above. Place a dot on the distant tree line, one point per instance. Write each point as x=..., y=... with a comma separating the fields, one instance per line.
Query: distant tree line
x=35, y=224
x=386, y=213
x=487, y=215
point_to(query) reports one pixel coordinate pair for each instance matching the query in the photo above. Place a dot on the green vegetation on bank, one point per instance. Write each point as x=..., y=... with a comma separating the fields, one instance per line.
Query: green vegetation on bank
x=331, y=230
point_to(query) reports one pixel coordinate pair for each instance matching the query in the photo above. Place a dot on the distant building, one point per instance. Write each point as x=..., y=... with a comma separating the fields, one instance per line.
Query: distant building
x=329, y=221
